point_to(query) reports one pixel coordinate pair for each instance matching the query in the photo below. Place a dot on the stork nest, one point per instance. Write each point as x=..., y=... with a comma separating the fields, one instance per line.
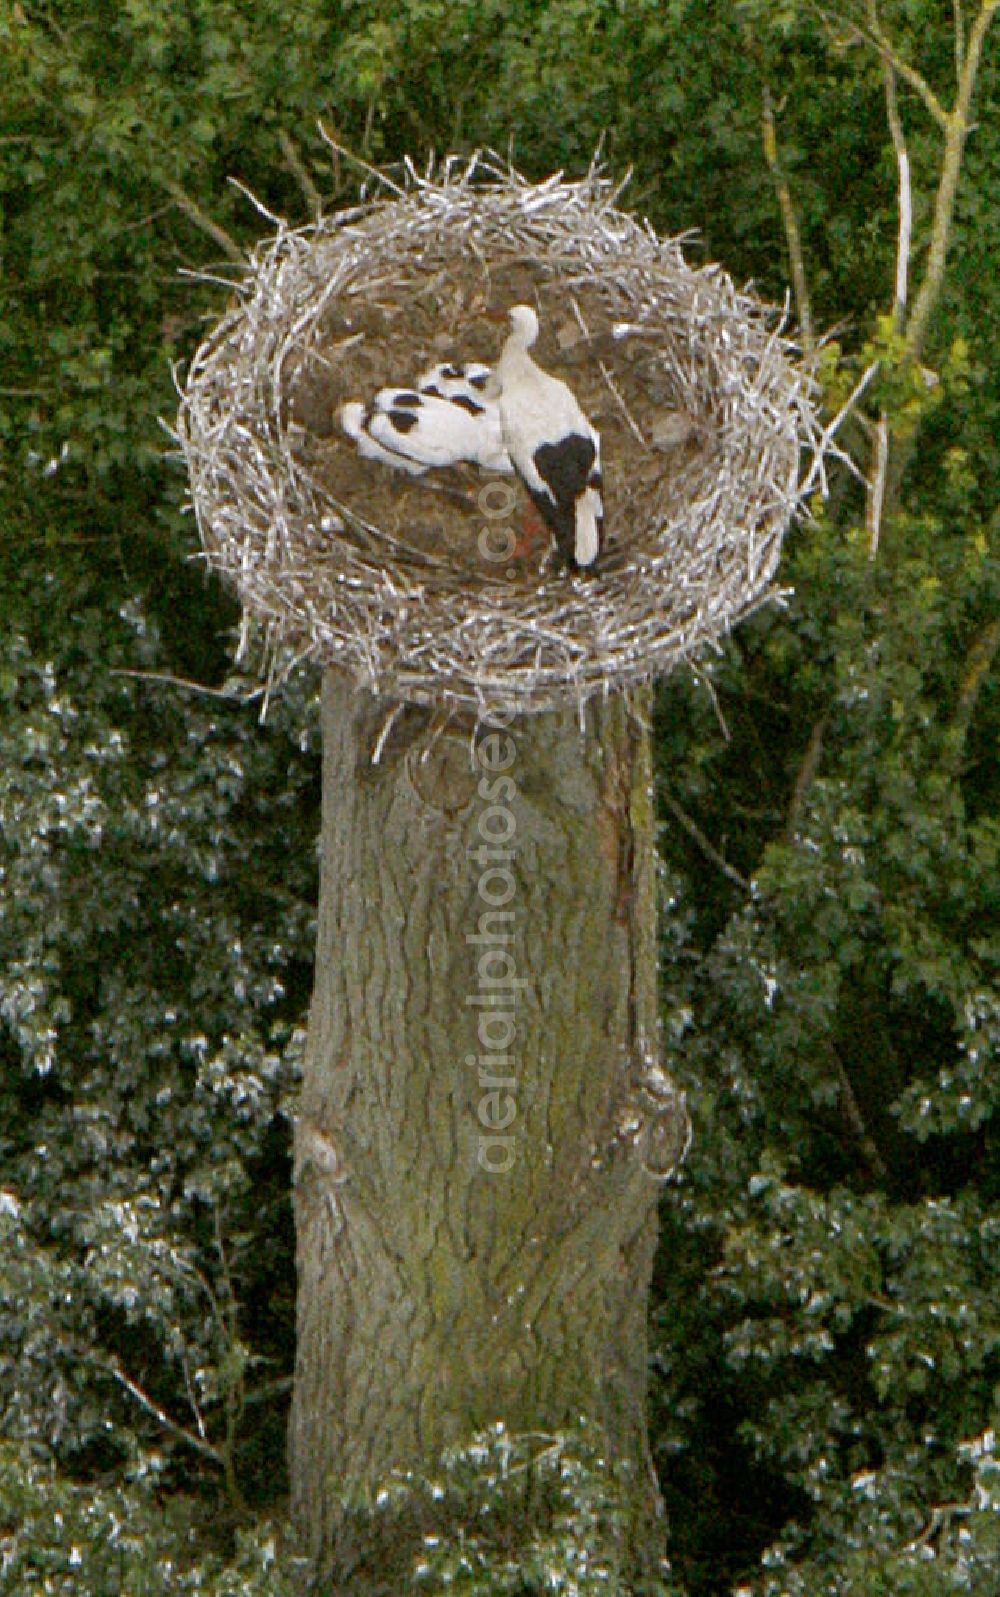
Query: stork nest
x=705, y=416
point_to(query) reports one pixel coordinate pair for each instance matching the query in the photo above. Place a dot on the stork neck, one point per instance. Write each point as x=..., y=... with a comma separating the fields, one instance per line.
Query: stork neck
x=515, y=360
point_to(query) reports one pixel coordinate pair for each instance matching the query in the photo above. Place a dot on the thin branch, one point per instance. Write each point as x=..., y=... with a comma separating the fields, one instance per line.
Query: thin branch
x=830, y=431
x=191, y=687
x=256, y=202
x=298, y=169
x=805, y=776
x=887, y=473
x=940, y=1519
x=228, y=1308
x=357, y=160
x=872, y=33
x=792, y=235
x=706, y=682
x=957, y=128
x=854, y=1115
x=905, y=197
x=142, y=221
x=269, y=1392
x=366, y=137
x=153, y=1408
x=875, y=497
x=192, y=209
x=981, y=657
x=235, y=1389
x=707, y=847
x=875, y=500
x=192, y=1396
x=956, y=6
x=633, y=424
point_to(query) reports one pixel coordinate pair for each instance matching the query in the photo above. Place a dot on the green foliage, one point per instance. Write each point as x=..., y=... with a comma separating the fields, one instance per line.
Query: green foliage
x=58, y=1539
x=506, y=1514
x=838, y=1041
x=155, y=942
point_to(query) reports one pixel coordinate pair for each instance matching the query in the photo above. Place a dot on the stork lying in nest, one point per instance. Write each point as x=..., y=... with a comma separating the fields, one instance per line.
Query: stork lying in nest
x=445, y=420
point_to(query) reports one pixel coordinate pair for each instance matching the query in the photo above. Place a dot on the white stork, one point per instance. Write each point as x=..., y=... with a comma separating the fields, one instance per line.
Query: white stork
x=415, y=431
x=555, y=450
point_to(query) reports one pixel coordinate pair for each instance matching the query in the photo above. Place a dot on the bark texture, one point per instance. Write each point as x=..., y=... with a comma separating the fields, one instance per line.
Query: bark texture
x=482, y=1118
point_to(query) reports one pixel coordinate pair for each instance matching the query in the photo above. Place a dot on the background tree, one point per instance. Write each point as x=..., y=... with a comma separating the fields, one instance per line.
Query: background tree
x=825, y=1322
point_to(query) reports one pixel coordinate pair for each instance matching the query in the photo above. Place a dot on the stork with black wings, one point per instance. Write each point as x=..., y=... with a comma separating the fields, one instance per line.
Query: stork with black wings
x=554, y=448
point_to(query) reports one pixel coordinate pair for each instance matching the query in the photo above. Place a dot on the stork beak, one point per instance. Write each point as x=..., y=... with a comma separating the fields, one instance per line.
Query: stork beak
x=496, y=316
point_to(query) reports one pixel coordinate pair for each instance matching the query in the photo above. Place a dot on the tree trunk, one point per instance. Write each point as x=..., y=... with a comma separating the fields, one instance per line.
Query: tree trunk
x=483, y=1122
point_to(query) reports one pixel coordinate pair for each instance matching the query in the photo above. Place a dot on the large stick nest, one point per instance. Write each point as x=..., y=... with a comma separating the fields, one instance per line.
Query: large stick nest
x=705, y=417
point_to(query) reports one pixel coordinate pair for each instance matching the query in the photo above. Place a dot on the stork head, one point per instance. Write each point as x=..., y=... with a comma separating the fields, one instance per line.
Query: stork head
x=524, y=325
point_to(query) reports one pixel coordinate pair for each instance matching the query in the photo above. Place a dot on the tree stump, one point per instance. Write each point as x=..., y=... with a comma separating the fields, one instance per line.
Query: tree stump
x=483, y=1126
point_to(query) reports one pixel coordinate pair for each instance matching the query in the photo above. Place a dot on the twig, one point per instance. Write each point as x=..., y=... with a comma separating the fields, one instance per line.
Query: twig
x=358, y=160
x=875, y=501
x=192, y=209
x=142, y=221
x=941, y=1515
x=577, y=312
x=875, y=498
x=873, y=34
x=956, y=129
x=192, y=687
x=269, y=1392
x=709, y=686
x=171, y=1425
x=793, y=237
x=854, y=1115
x=805, y=775
x=234, y=1390
x=829, y=432
x=905, y=228
x=956, y=6
x=366, y=137
x=633, y=424
x=981, y=657
x=258, y=204
x=380, y=741
x=192, y=1397
x=298, y=169
x=707, y=847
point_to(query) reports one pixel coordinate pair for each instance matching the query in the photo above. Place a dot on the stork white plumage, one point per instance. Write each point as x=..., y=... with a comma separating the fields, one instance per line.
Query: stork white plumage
x=354, y=418
x=555, y=450
x=465, y=384
x=414, y=431
x=462, y=382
